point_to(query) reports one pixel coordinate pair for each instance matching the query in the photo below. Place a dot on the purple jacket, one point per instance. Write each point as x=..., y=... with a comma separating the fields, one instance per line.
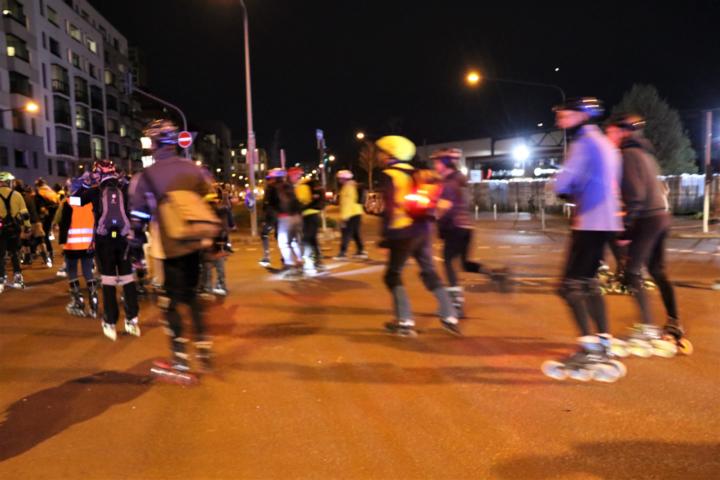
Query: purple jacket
x=591, y=178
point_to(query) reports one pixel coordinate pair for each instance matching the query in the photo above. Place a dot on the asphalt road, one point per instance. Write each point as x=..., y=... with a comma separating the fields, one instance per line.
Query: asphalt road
x=308, y=386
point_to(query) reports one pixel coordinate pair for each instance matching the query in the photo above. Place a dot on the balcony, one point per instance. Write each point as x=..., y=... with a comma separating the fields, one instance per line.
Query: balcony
x=60, y=86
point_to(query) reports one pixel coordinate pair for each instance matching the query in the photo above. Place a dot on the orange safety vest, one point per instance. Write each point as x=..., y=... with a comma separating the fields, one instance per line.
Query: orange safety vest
x=82, y=226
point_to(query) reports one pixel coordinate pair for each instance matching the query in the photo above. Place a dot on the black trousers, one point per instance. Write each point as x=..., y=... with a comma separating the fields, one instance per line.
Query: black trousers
x=647, y=248
x=47, y=226
x=580, y=288
x=10, y=245
x=311, y=226
x=182, y=276
x=113, y=260
x=351, y=231
x=457, y=244
x=418, y=247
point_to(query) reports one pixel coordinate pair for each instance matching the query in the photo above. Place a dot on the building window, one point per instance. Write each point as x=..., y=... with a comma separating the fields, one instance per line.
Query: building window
x=81, y=90
x=4, y=157
x=111, y=103
x=74, y=32
x=52, y=16
x=96, y=98
x=124, y=152
x=44, y=40
x=20, y=160
x=91, y=44
x=98, y=148
x=84, y=149
x=63, y=141
x=20, y=84
x=92, y=70
x=109, y=77
x=98, y=127
x=113, y=126
x=124, y=109
x=16, y=47
x=74, y=59
x=113, y=149
x=50, y=166
x=62, y=110
x=61, y=168
x=47, y=108
x=18, y=120
x=54, y=47
x=14, y=10
x=82, y=118
x=123, y=131
x=60, y=79
x=36, y=165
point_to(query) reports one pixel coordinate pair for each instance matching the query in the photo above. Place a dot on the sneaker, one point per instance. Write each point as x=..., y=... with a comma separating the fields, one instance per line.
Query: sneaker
x=18, y=281
x=109, y=331
x=61, y=273
x=340, y=256
x=451, y=325
x=49, y=263
x=132, y=327
x=220, y=290
x=402, y=330
x=361, y=255
x=2, y=285
x=264, y=262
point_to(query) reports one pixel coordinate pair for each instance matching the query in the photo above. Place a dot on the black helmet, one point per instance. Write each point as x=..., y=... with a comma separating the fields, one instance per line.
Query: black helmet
x=628, y=121
x=589, y=105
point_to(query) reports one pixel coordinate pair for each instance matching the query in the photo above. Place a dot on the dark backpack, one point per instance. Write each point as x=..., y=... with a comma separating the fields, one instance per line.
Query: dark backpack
x=113, y=220
x=9, y=226
x=318, y=195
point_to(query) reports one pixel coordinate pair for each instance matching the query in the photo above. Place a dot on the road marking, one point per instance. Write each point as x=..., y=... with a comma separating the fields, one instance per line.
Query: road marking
x=483, y=247
x=251, y=249
x=504, y=247
x=361, y=271
x=686, y=251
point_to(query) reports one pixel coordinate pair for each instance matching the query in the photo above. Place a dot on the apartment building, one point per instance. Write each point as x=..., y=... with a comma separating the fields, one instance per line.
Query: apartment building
x=65, y=56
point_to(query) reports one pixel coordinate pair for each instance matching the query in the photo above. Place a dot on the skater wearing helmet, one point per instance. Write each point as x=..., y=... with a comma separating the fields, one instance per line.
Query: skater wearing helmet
x=453, y=221
x=406, y=233
x=647, y=224
x=14, y=217
x=351, y=209
x=311, y=196
x=169, y=180
x=590, y=178
x=113, y=231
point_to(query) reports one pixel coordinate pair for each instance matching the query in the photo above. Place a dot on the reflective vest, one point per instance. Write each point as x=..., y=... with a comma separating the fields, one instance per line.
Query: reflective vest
x=82, y=226
x=403, y=186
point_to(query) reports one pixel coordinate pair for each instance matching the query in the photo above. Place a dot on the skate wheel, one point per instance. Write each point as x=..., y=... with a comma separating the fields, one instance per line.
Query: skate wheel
x=581, y=375
x=619, y=348
x=619, y=366
x=606, y=373
x=664, y=348
x=554, y=369
x=640, y=349
x=685, y=346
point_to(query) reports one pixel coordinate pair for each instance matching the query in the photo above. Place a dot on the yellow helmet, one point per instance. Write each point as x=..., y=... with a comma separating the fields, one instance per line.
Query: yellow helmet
x=399, y=148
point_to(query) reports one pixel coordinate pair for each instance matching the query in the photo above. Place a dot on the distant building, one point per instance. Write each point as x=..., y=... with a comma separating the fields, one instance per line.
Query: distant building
x=65, y=56
x=535, y=155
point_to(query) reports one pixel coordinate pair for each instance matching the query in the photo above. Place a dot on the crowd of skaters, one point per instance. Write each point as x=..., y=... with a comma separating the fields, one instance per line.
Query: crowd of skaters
x=109, y=223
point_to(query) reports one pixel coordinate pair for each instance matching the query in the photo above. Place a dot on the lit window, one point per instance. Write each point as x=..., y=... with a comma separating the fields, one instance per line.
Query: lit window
x=74, y=32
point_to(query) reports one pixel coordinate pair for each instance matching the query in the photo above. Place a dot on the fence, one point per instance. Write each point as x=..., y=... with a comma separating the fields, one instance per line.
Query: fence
x=527, y=195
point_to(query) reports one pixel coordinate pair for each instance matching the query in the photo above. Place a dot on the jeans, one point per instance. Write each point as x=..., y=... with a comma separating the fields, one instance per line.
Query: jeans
x=351, y=231
x=420, y=248
x=289, y=232
x=85, y=259
x=219, y=266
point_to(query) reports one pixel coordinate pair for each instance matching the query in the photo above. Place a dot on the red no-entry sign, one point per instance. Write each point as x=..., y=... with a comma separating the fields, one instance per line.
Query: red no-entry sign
x=185, y=139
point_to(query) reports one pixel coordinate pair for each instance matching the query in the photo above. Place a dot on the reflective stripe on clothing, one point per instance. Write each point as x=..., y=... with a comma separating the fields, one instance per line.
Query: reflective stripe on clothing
x=82, y=228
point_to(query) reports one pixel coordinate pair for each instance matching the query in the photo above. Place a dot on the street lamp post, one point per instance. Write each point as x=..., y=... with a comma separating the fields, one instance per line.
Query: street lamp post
x=250, y=158
x=473, y=78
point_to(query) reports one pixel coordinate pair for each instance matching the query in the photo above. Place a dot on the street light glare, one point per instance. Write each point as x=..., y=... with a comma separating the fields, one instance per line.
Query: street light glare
x=521, y=153
x=331, y=158
x=360, y=135
x=32, y=107
x=473, y=78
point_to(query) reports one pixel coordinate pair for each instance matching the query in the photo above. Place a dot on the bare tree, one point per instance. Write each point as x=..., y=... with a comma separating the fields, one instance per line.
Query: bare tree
x=368, y=161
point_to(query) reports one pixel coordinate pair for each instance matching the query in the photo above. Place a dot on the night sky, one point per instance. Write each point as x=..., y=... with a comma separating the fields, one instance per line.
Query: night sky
x=397, y=66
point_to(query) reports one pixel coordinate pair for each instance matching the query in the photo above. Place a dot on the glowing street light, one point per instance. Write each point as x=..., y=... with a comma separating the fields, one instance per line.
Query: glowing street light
x=331, y=158
x=473, y=78
x=360, y=135
x=32, y=107
x=521, y=153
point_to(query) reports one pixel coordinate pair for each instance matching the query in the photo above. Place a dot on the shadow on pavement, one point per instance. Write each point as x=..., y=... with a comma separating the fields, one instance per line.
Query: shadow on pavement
x=44, y=414
x=630, y=459
x=386, y=373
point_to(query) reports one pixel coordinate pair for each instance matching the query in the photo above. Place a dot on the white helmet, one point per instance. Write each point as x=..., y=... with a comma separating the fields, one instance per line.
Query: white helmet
x=344, y=175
